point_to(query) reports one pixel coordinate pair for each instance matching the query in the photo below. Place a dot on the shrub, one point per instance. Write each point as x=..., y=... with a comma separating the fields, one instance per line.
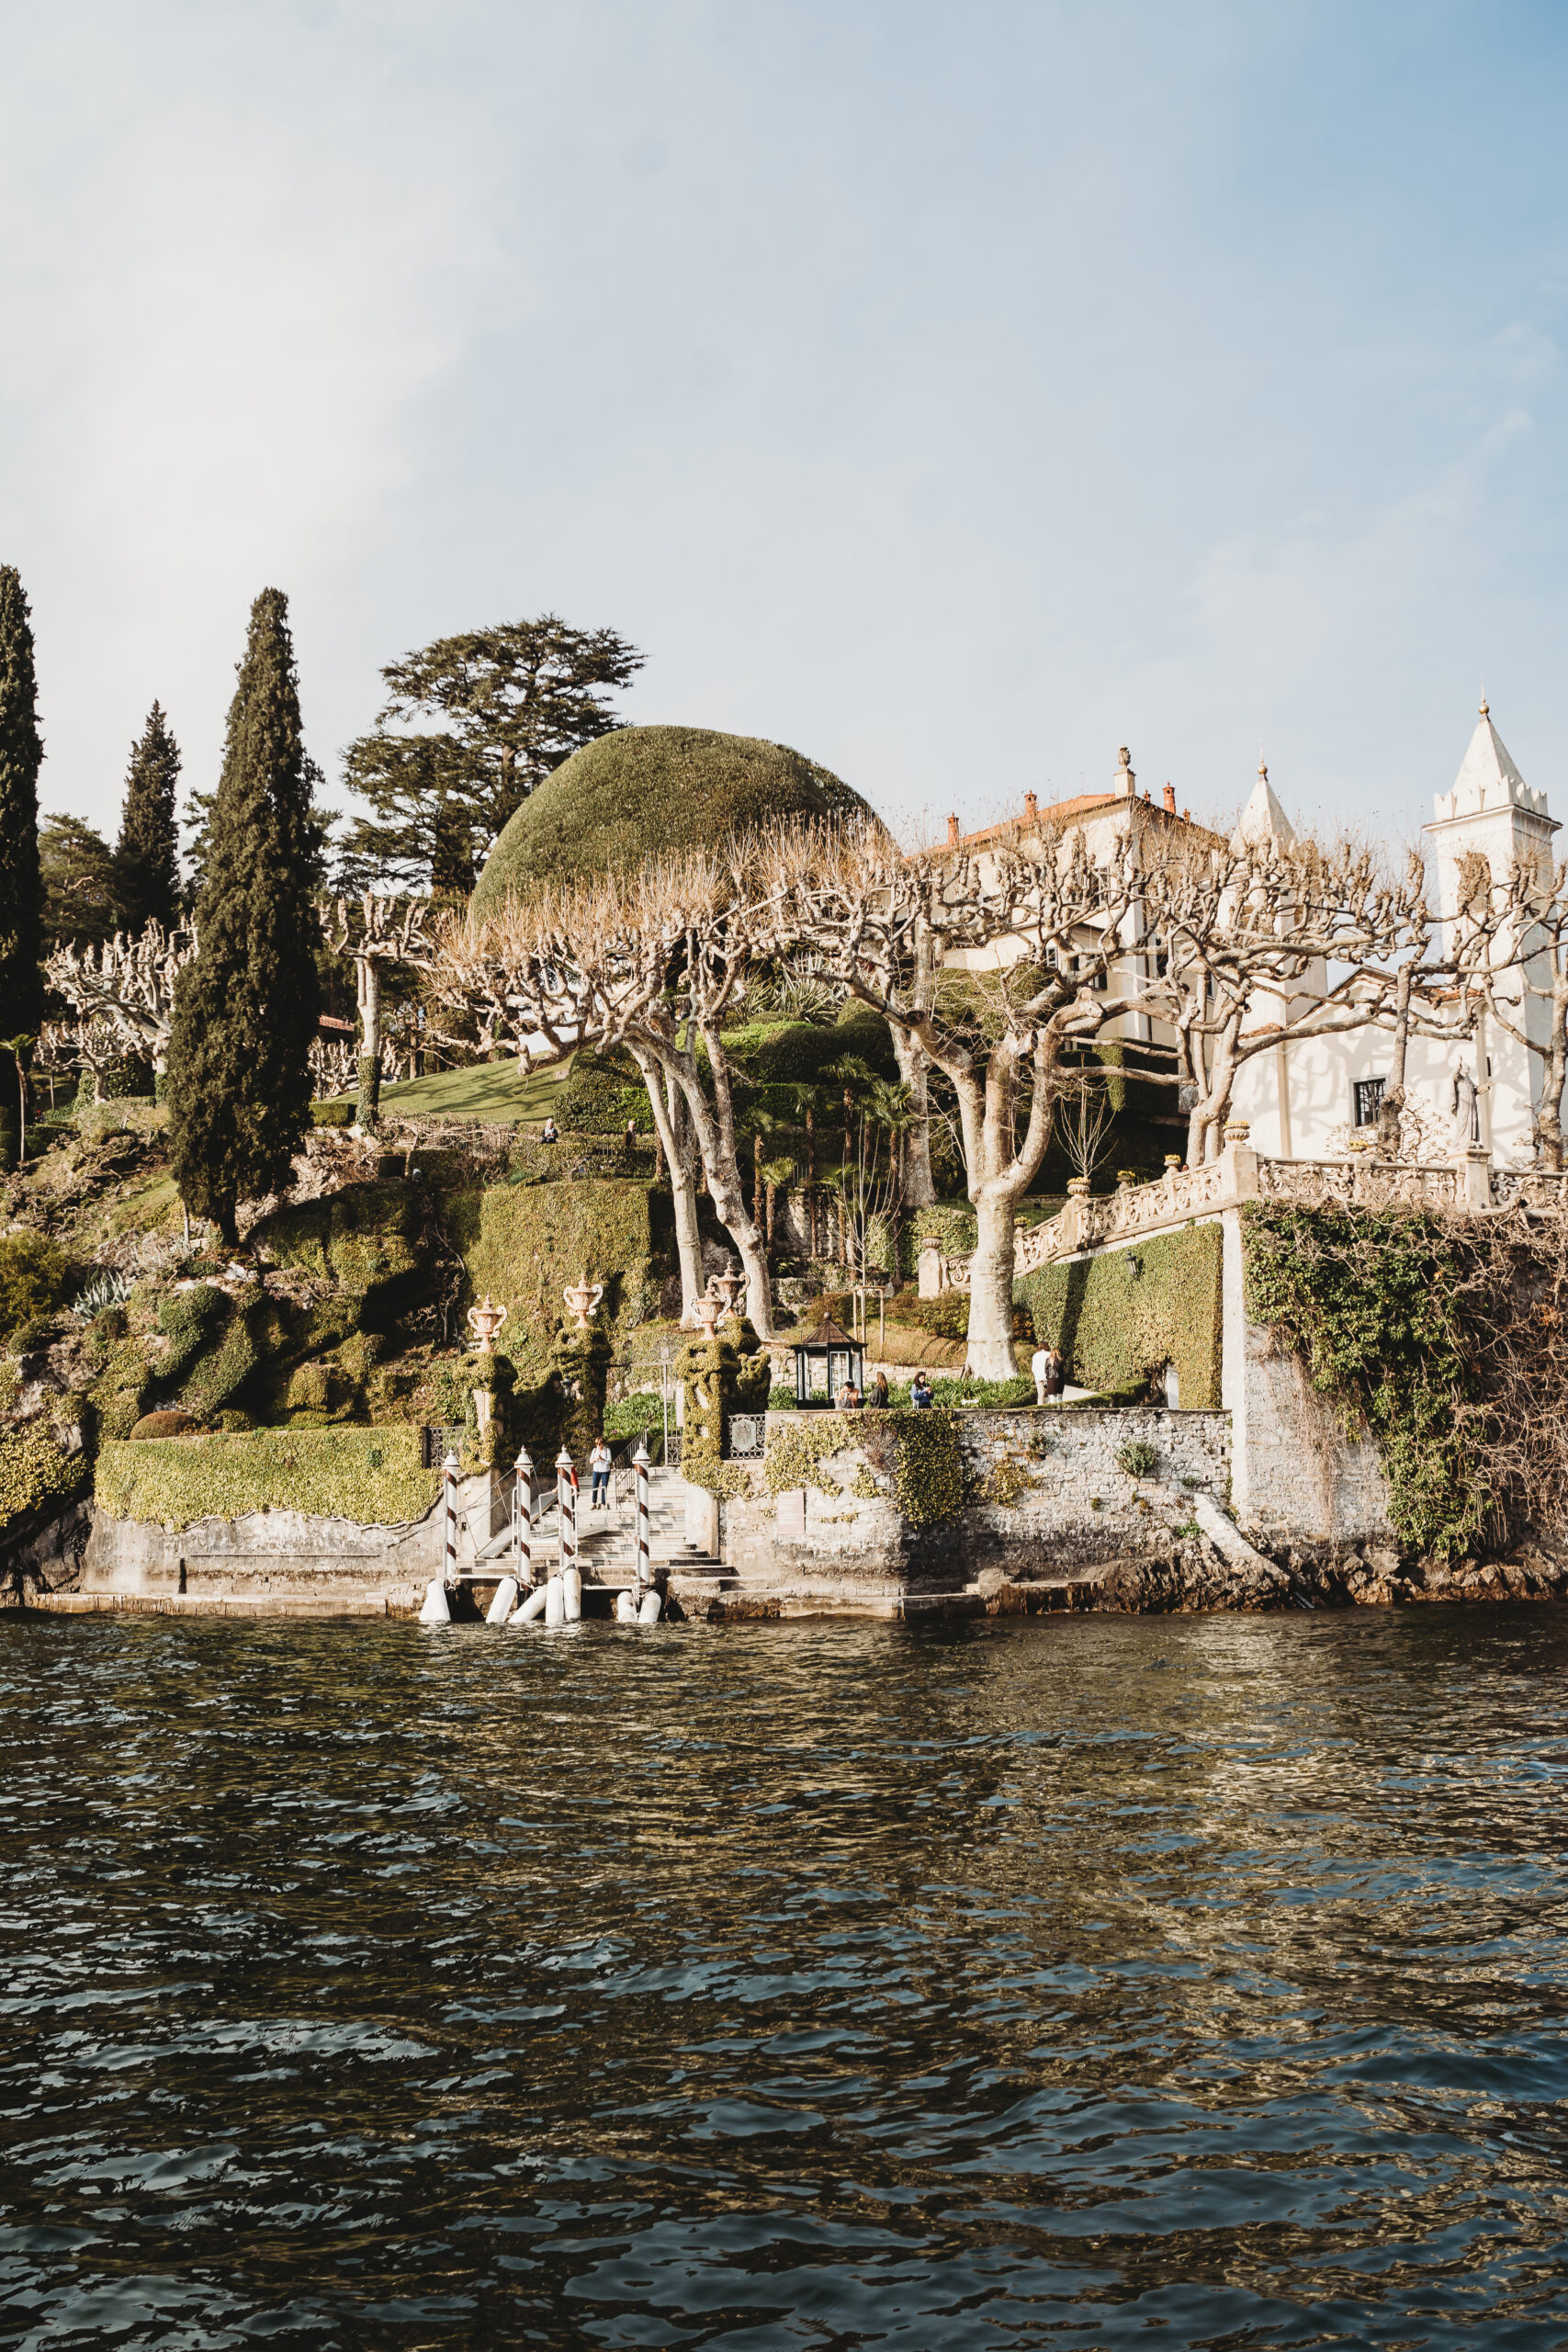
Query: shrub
x=35, y=1470
x=32, y=1275
x=172, y=1424
x=1138, y=1459
x=334, y=1115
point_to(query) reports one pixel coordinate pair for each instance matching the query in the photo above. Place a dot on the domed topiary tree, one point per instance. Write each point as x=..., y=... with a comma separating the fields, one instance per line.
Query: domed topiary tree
x=645, y=790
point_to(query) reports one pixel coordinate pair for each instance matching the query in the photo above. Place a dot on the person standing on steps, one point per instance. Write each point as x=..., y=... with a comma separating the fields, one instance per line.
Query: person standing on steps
x=599, y=1464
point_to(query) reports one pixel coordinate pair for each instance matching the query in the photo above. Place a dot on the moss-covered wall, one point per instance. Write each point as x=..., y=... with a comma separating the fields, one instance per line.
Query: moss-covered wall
x=1120, y=1316
x=369, y=1476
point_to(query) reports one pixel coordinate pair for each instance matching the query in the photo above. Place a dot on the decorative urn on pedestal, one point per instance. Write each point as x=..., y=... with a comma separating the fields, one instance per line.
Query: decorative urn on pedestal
x=583, y=1300
x=485, y=1321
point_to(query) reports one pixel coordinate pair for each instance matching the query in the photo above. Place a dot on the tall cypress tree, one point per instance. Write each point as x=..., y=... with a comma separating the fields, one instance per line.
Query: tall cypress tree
x=146, y=857
x=21, y=756
x=246, y=1007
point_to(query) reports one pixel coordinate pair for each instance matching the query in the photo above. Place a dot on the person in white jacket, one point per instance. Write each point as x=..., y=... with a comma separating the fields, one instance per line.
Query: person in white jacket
x=599, y=1464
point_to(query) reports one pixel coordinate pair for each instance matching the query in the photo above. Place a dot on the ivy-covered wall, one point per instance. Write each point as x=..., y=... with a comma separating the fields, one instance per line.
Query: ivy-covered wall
x=1120, y=1316
x=372, y=1476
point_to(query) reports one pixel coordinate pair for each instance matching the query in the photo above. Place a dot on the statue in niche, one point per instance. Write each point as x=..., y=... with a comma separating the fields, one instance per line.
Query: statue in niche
x=1464, y=1101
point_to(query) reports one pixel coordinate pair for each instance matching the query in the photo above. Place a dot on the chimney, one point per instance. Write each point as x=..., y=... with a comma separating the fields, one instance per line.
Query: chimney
x=1126, y=781
x=952, y=830
x=1030, y=807
x=1170, y=800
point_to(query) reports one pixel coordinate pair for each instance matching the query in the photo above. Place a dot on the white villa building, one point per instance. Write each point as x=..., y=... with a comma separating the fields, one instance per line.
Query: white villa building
x=1307, y=1098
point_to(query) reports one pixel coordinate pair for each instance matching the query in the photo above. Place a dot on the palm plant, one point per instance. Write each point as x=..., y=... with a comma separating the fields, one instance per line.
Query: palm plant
x=778, y=1175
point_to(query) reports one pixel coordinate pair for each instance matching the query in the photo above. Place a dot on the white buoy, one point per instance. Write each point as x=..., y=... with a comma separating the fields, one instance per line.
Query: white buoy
x=652, y=1603
x=505, y=1601
x=626, y=1609
x=572, y=1587
x=437, y=1609
x=535, y=1606
x=554, y=1602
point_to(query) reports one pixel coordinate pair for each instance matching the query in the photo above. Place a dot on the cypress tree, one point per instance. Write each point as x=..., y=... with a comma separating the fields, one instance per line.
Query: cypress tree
x=21, y=755
x=146, y=856
x=246, y=1007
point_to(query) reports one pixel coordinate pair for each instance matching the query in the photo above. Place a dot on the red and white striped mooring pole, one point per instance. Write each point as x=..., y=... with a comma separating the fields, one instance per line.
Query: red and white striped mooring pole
x=565, y=1511
x=644, y=1559
x=449, y=1519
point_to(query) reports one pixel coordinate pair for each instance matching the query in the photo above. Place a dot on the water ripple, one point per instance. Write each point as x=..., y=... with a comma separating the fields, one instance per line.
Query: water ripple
x=981, y=1986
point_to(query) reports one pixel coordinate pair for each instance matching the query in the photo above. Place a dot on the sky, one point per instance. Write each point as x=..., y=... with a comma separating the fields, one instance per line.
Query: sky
x=954, y=391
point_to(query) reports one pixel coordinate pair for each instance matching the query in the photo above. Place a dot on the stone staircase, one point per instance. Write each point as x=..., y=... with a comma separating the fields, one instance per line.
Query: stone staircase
x=607, y=1540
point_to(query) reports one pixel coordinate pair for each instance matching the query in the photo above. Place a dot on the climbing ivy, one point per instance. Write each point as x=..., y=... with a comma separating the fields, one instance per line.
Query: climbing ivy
x=1370, y=1301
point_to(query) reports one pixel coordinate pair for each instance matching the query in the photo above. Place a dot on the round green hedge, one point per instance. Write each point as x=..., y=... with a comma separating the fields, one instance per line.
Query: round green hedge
x=645, y=789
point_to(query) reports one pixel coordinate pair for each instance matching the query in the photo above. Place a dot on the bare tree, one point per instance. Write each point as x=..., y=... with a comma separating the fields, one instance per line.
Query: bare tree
x=1083, y=1119
x=1257, y=946
x=656, y=961
x=377, y=931
x=1025, y=936
x=1512, y=949
x=126, y=989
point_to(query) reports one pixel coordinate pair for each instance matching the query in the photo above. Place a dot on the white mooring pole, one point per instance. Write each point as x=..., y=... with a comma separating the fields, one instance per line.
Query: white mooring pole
x=449, y=1519
x=644, y=1561
x=523, y=1520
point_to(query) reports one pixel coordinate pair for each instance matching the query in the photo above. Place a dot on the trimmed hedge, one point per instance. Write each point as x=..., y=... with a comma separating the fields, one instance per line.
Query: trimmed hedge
x=523, y=1243
x=370, y=1475
x=640, y=791
x=1120, y=1316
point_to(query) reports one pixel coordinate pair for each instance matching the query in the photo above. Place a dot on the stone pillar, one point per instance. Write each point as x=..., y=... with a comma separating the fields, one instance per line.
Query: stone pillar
x=930, y=1269
x=1475, y=1186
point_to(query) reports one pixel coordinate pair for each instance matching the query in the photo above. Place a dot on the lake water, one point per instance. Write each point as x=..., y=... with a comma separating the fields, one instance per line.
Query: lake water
x=1070, y=1982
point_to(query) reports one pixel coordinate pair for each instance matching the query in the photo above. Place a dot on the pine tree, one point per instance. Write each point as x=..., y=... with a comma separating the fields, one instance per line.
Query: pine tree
x=146, y=857
x=21, y=755
x=246, y=1007
x=81, y=894
x=509, y=704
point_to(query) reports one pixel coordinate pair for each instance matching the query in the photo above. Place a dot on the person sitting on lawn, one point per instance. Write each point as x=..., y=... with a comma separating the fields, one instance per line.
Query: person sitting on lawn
x=921, y=1392
x=549, y=1133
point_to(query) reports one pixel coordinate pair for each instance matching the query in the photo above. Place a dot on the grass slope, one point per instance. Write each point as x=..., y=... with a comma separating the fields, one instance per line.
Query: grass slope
x=490, y=1092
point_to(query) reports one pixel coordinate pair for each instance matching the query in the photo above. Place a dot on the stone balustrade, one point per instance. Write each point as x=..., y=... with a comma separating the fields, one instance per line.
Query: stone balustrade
x=1359, y=1181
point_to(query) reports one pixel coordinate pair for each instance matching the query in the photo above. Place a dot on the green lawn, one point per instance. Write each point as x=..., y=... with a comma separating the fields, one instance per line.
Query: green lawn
x=493, y=1091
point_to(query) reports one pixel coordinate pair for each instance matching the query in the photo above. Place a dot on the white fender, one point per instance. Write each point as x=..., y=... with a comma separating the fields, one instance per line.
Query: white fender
x=554, y=1602
x=652, y=1603
x=573, y=1582
x=533, y=1607
x=626, y=1609
x=437, y=1610
x=505, y=1601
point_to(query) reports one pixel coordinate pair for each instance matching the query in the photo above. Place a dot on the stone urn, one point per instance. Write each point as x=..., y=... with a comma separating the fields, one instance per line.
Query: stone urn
x=485, y=1321
x=1125, y=1179
x=583, y=1299
x=1238, y=1130
x=707, y=1312
x=728, y=1287
x=1172, y=1162
x=1078, y=1188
